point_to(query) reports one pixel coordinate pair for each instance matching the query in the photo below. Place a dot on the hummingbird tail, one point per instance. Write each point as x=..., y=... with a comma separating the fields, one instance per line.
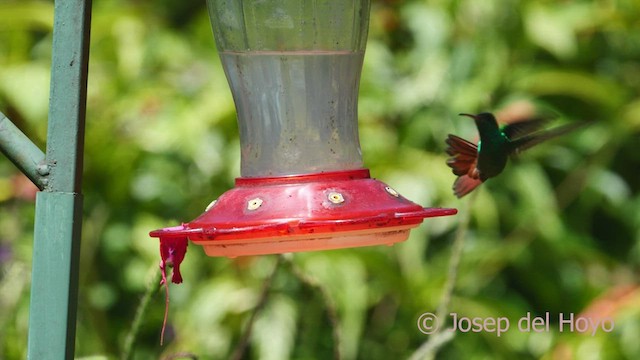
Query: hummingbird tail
x=464, y=185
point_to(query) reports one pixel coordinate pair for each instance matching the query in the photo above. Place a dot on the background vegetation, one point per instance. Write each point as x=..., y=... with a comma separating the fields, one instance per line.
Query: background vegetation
x=558, y=232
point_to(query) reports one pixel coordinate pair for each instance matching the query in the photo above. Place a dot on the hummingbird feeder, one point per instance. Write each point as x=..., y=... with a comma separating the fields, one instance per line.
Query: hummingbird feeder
x=294, y=71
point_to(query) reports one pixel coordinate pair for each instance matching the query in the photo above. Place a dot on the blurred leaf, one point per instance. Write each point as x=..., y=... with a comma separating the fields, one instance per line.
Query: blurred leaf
x=554, y=28
x=27, y=88
x=344, y=276
x=632, y=115
x=26, y=15
x=275, y=329
x=609, y=184
x=583, y=86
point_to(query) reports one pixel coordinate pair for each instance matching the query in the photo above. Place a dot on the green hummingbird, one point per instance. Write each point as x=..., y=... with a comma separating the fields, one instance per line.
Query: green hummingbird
x=474, y=164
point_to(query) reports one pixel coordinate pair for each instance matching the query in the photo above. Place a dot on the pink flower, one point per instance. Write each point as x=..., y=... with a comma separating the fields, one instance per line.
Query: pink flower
x=172, y=251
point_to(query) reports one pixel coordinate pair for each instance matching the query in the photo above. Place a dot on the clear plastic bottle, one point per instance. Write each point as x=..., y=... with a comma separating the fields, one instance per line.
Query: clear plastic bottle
x=294, y=70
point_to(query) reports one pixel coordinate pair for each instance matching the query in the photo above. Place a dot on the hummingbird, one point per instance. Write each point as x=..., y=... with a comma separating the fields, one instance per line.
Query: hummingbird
x=474, y=164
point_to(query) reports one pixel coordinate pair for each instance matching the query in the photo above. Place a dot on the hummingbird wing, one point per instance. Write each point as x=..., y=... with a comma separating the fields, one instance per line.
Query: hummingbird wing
x=528, y=141
x=464, y=154
x=464, y=185
x=524, y=127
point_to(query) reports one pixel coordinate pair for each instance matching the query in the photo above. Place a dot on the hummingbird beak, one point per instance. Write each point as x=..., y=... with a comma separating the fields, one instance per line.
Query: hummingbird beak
x=468, y=115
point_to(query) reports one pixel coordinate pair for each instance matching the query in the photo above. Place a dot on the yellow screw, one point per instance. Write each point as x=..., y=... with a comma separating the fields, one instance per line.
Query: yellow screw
x=211, y=204
x=336, y=197
x=254, y=204
x=391, y=191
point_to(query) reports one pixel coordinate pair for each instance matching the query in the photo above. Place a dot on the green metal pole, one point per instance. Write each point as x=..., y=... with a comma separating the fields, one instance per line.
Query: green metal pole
x=22, y=152
x=54, y=281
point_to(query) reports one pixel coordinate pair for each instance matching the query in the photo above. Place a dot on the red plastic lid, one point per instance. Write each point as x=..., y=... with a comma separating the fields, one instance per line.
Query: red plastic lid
x=301, y=213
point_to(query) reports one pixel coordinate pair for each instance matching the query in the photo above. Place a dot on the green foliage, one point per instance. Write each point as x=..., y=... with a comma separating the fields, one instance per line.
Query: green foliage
x=558, y=232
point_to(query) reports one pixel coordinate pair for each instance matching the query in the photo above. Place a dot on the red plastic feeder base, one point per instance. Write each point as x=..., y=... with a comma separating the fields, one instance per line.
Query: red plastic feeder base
x=302, y=213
